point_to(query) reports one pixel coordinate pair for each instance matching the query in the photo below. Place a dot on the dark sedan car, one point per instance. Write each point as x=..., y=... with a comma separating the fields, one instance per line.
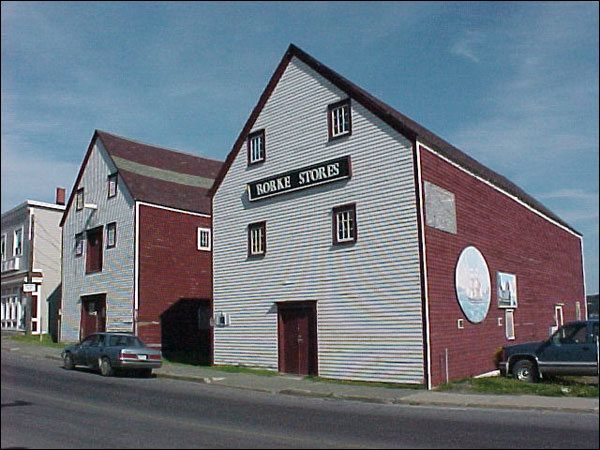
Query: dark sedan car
x=572, y=350
x=109, y=351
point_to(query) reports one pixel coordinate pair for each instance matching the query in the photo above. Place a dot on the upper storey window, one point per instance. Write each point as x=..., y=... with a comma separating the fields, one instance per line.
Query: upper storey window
x=339, y=119
x=18, y=242
x=256, y=147
x=112, y=185
x=79, y=199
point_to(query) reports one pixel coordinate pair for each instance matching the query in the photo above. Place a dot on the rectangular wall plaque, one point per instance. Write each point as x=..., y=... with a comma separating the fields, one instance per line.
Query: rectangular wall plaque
x=306, y=177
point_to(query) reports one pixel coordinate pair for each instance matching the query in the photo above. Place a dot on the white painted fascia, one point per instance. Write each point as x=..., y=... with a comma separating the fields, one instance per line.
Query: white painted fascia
x=511, y=196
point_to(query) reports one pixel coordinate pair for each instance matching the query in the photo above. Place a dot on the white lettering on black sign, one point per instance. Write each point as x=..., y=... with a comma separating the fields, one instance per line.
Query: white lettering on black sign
x=326, y=172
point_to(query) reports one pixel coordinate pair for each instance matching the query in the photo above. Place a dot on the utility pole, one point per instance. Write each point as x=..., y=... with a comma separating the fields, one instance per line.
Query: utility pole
x=29, y=298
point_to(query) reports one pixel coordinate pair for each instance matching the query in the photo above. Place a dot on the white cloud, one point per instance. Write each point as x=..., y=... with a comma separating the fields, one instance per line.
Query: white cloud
x=468, y=45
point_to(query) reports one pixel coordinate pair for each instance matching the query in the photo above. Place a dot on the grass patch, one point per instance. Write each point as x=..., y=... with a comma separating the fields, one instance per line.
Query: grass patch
x=248, y=370
x=551, y=387
x=43, y=339
x=365, y=383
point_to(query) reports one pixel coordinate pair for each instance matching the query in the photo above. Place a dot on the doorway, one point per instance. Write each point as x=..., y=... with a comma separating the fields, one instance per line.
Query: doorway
x=93, y=315
x=298, y=338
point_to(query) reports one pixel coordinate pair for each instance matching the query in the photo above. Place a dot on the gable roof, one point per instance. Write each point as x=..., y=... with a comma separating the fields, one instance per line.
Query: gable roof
x=398, y=121
x=157, y=175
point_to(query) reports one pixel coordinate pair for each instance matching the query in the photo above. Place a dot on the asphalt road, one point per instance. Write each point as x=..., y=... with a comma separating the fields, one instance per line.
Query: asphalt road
x=45, y=406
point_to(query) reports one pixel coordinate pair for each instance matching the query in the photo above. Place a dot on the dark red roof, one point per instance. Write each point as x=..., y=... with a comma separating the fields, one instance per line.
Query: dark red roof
x=157, y=175
x=401, y=123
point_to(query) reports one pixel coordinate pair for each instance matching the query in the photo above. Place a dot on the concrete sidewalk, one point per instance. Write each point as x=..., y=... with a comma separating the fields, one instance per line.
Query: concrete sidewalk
x=292, y=385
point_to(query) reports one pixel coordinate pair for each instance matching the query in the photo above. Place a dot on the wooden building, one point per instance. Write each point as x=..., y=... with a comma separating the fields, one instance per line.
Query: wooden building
x=353, y=243
x=137, y=245
x=31, y=249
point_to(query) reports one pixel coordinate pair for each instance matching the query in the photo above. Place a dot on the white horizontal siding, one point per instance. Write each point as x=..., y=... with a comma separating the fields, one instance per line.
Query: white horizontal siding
x=116, y=278
x=368, y=295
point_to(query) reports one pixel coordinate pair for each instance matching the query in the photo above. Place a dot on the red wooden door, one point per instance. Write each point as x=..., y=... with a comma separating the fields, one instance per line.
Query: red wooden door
x=93, y=315
x=298, y=339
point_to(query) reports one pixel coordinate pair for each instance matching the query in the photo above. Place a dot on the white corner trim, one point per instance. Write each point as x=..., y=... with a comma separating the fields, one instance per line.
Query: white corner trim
x=424, y=254
x=511, y=196
x=168, y=208
x=136, y=267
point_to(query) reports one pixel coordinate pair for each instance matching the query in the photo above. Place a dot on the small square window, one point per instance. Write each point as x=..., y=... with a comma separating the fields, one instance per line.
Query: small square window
x=79, y=244
x=112, y=185
x=344, y=224
x=204, y=241
x=339, y=119
x=79, y=199
x=257, y=239
x=111, y=235
x=256, y=147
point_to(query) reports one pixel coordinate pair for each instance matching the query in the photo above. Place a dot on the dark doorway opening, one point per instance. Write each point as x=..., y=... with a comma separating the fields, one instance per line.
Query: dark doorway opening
x=186, y=332
x=298, y=338
x=93, y=315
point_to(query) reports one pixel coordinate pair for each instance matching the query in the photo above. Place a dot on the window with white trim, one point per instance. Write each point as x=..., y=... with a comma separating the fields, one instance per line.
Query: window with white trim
x=18, y=242
x=257, y=239
x=4, y=247
x=256, y=147
x=339, y=119
x=204, y=241
x=509, y=320
x=344, y=224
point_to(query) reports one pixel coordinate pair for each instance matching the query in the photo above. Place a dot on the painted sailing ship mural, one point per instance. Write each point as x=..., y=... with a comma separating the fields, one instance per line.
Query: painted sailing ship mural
x=473, y=285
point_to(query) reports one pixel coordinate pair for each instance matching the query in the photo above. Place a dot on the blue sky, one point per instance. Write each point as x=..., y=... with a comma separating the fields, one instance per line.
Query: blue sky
x=515, y=85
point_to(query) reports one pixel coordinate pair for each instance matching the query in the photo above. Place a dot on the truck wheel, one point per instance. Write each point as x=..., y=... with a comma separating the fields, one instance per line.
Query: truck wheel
x=525, y=370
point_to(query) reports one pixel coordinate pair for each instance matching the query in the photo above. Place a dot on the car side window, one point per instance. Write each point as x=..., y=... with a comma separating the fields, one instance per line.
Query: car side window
x=87, y=341
x=594, y=335
x=570, y=334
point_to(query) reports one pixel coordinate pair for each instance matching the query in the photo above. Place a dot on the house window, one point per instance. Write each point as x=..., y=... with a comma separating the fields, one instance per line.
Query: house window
x=509, y=320
x=112, y=185
x=18, y=242
x=257, y=239
x=3, y=247
x=111, y=235
x=339, y=119
x=256, y=147
x=204, y=239
x=79, y=244
x=344, y=224
x=79, y=199
x=93, y=261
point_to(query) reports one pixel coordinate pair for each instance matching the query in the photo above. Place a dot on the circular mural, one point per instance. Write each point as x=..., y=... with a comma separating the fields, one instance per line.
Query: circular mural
x=473, y=286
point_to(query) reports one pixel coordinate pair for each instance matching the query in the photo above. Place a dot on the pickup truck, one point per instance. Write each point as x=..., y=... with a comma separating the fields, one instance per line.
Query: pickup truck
x=572, y=350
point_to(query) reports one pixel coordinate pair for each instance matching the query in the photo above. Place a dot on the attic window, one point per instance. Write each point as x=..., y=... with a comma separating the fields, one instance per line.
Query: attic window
x=112, y=185
x=79, y=199
x=256, y=147
x=339, y=119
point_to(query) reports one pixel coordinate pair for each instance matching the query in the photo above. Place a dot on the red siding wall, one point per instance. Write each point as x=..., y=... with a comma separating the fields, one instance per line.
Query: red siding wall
x=171, y=266
x=545, y=258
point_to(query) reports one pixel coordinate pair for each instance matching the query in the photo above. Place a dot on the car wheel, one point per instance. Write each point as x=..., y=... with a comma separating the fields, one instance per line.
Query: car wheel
x=68, y=362
x=106, y=369
x=525, y=370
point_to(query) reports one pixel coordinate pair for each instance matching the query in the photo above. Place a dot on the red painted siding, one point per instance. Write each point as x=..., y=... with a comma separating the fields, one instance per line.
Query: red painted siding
x=545, y=258
x=171, y=267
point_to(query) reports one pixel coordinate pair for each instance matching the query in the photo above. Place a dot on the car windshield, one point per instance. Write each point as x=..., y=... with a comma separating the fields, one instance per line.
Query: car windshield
x=125, y=341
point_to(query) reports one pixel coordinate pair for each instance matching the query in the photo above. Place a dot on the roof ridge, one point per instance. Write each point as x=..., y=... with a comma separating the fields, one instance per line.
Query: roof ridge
x=147, y=144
